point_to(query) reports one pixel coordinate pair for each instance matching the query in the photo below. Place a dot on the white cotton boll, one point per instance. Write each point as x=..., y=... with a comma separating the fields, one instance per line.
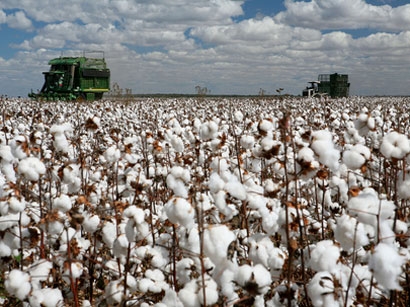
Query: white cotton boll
x=395, y=145
x=62, y=203
x=171, y=299
x=269, y=220
x=9, y=221
x=263, y=251
x=112, y=154
x=71, y=178
x=176, y=180
x=177, y=143
x=31, y=168
x=350, y=234
x=39, y=271
x=321, y=290
x=247, y=141
x=55, y=227
x=120, y=246
x=367, y=205
x=46, y=297
x=86, y=303
x=324, y=256
x=238, y=116
x=216, y=183
x=386, y=262
x=133, y=212
x=323, y=146
x=267, y=143
x=114, y=292
x=76, y=272
x=90, y=224
x=257, y=274
x=265, y=125
x=403, y=185
x=6, y=163
x=236, y=190
x=217, y=239
x=208, y=131
x=18, y=284
x=5, y=249
x=15, y=205
x=353, y=159
x=188, y=294
x=109, y=233
x=183, y=269
x=180, y=211
x=211, y=292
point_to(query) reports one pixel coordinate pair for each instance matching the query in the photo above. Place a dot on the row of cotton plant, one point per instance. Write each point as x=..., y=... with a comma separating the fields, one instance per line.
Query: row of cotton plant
x=205, y=202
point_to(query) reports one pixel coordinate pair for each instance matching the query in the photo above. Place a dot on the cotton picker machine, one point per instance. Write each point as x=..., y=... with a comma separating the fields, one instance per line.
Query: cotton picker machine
x=75, y=78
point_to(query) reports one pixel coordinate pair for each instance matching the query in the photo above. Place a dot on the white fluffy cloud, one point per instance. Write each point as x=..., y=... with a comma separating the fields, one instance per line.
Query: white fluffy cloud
x=163, y=46
x=345, y=14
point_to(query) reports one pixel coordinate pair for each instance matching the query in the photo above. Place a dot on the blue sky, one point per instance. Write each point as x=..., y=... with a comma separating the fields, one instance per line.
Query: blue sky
x=231, y=47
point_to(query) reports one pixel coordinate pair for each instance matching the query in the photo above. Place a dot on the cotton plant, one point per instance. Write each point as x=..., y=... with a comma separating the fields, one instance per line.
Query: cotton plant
x=323, y=146
x=395, y=145
x=60, y=132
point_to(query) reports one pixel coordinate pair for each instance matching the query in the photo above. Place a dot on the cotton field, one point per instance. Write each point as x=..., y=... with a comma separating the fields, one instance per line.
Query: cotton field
x=205, y=202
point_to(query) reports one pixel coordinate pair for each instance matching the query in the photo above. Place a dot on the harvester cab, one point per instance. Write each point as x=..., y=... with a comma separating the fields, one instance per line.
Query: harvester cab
x=312, y=90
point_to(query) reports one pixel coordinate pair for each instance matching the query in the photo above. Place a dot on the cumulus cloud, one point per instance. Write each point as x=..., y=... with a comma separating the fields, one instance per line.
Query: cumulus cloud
x=344, y=14
x=18, y=20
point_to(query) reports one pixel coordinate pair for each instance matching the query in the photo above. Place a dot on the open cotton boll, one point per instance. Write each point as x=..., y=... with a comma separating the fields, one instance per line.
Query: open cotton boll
x=177, y=143
x=353, y=160
x=403, y=185
x=109, y=233
x=16, y=205
x=59, y=133
x=323, y=146
x=39, y=271
x=91, y=223
x=257, y=275
x=170, y=299
x=112, y=154
x=247, y=141
x=349, y=233
x=386, y=265
x=367, y=206
x=180, y=211
x=114, y=292
x=62, y=203
x=215, y=183
x=236, y=190
x=154, y=281
x=75, y=272
x=208, y=130
x=18, y=284
x=395, y=145
x=211, y=291
x=46, y=297
x=6, y=163
x=324, y=256
x=321, y=290
x=217, y=239
x=177, y=179
x=265, y=126
x=31, y=168
x=120, y=246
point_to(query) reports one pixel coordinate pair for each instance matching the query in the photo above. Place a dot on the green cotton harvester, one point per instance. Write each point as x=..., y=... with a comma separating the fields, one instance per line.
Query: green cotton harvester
x=75, y=78
x=333, y=85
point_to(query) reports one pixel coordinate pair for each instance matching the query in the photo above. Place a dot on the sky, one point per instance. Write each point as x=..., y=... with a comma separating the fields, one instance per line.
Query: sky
x=228, y=46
